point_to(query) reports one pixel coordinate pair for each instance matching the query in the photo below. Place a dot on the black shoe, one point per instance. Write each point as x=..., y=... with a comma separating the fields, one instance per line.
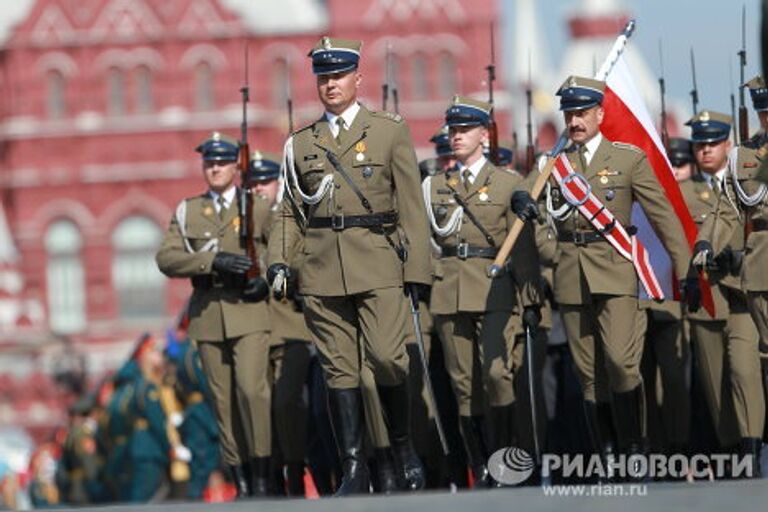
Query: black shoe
x=386, y=481
x=473, y=432
x=750, y=447
x=295, y=475
x=395, y=400
x=629, y=410
x=348, y=423
x=240, y=481
x=260, y=477
x=502, y=423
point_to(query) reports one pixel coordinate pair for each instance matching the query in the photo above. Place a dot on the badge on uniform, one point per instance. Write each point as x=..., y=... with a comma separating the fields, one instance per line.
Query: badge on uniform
x=604, y=173
x=483, y=193
x=367, y=171
x=236, y=223
x=310, y=157
x=704, y=195
x=360, y=148
x=453, y=181
x=207, y=211
x=610, y=194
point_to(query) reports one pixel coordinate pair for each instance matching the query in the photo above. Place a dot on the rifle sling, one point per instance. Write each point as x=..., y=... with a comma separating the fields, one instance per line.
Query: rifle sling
x=471, y=216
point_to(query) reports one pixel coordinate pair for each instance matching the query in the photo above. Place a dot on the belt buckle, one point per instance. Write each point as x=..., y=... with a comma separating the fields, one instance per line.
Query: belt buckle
x=462, y=251
x=579, y=238
x=337, y=222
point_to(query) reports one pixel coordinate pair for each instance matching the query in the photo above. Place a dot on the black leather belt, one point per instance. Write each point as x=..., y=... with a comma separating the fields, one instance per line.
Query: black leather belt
x=464, y=251
x=760, y=225
x=341, y=222
x=208, y=281
x=580, y=237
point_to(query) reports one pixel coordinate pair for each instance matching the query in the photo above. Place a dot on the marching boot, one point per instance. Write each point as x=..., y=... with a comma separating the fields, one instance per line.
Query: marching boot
x=629, y=410
x=386, y=482
x=472, y=432
x=764, y=373
x=502, y=426
x=260, y=477
x=396, y=402
x=295, y=475
x=346, y=407
x=240, y=481
x=750, y=447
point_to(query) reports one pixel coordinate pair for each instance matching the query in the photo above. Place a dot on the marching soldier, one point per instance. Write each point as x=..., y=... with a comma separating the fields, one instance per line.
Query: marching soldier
x=477, y=317
x=290, y=340
x=595, y=285
x=355, y=180
x=229, y=321
x=80, y=461
x=728, y=344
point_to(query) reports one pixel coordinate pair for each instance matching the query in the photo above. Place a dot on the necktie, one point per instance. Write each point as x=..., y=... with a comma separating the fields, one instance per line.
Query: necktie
x=340, y=124
x=222, y=206
x=583, y=158
x=465, y=177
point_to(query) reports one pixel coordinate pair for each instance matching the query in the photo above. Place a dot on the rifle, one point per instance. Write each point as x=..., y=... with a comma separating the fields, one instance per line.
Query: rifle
x=493, y=131
x=695, y=90
x=245, y=204
x=736, y=133
x=530, y=151
x=662, y=90
x=389, y=86
x=743, y=117
x=289, y=97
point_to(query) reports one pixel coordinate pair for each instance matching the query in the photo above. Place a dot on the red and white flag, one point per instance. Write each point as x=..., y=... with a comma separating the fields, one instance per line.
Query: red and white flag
x=627, y=120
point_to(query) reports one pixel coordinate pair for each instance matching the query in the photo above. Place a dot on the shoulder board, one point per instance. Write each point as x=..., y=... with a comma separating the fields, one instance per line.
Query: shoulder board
x=397, y=118
x=304, y=128
x=510, y=172
x=626, y=145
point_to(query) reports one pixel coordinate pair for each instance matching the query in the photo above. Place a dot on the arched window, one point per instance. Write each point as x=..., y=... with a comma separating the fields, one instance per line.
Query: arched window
x=144, y=100
x=280, y=78
x=139, y=285
x=204, y=99
x=447, y=74
x=115, y=92
x=57, y=86
x=419, y=77
x=65, y=278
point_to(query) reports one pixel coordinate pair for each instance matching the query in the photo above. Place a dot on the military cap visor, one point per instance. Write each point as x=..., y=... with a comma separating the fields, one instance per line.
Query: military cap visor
x=263, y=170
x=708, y=126
x=218, y=148
x=504, y=156
x=331, y=56
x=468, y=112
x=759, y=93
x=679, y=151
x=579, y=93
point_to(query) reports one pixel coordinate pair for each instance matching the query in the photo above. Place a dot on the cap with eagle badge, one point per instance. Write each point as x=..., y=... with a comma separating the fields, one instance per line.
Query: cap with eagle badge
x=465, y=111
x=331, y=55
x=759, y=93
x=709, y=126
x=441, y=142
x=679, y=151
x=579, y=93
x=263, y=167
x=218, y=148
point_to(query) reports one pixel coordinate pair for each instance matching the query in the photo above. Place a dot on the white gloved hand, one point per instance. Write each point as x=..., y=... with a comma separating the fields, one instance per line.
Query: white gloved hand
x=177, y=419
x=182, y=453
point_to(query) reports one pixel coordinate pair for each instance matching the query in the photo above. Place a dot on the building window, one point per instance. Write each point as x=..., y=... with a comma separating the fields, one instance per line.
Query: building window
x=144, y=102
x=57, y=85
x=65, y=278
x=139, y=285
x=447, y=75
x=204, y=87
x=419, y=77
x=115, y=92
x=280, y=79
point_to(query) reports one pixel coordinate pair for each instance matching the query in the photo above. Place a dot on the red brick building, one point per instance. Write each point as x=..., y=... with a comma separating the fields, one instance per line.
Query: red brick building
x=103, y=101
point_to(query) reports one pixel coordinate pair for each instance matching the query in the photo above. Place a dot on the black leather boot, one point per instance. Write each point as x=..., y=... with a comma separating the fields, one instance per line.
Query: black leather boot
x=764, y=372
x=346, y=407
x=386, y=481
x=295, y=476
x=396, y=402
x=629, y=410
x=240, y=481
x=472, y=430
x=502, y=427
x=750, y=447
x=260, y=477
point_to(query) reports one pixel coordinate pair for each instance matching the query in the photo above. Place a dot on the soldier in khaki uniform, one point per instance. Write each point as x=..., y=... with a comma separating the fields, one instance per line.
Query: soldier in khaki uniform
x=596, y=287
x=477, y=317
x=289, y=352
x=354, y=176
x=728, y=344
x=229, y=317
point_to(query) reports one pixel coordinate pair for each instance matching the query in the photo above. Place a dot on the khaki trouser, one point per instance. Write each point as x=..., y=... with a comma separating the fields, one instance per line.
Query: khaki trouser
x=479, y=354
x=665, y=365
x=237, y=372
x=730, y=365
x=371, y=323
x=757, y=303
x=290, y=363
x=606, y=341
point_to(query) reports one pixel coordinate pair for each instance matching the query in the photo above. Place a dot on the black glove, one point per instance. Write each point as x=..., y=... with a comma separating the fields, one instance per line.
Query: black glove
x=418, y=291
x=256, y=289
x=531, y=317
x=730, y=261
x=703, y=256
x=232, y=264
x=524, y=206
x=690, y=293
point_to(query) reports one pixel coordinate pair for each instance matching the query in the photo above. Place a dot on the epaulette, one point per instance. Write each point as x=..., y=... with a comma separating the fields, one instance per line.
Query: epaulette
x=397, y=118
x=303, y=128
x=512, y=172
x=626, y=145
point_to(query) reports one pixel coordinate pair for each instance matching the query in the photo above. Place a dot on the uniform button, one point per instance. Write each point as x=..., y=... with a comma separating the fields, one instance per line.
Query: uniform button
x=202, y=267
x=338, y=186
x=207, y=234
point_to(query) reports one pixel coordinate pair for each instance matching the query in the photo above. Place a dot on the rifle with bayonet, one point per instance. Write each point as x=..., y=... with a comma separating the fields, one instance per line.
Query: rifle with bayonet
x=493, y=130
x=662, y=91
x=530, y=150
x=389, y=87
x=743, y=116
x=695, y=91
